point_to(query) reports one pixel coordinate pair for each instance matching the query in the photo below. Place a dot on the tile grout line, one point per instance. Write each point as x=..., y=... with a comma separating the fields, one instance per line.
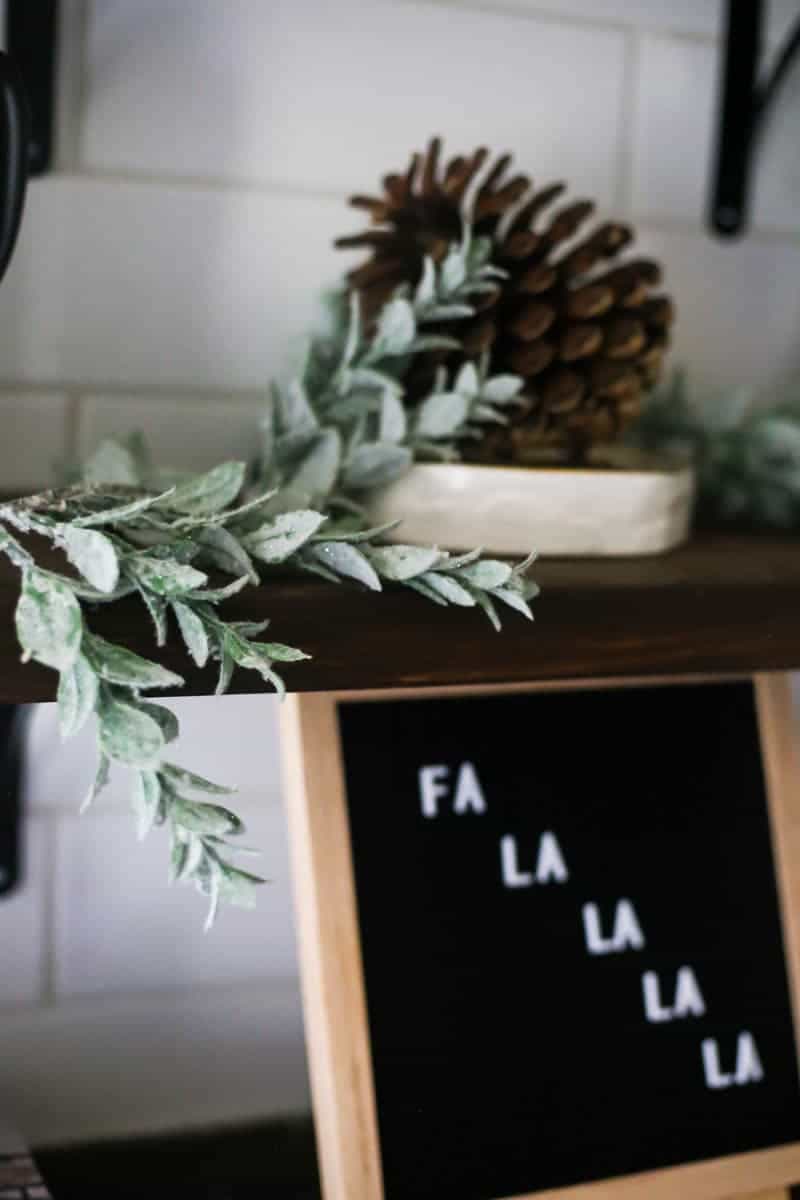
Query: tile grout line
x=765, y=234
x=48, y=885
x=532, y=12
x=164, y=178
x=83, y=390
x=73, y=417
x=73, y=70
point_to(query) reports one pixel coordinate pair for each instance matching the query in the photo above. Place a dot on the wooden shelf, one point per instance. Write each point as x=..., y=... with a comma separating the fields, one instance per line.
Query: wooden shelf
x=720, y=604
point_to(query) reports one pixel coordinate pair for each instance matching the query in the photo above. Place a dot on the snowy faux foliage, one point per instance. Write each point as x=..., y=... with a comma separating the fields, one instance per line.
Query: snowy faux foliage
x=183, y=548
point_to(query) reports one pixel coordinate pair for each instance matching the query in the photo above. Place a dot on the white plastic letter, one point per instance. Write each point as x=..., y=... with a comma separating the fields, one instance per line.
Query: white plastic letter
x=748, y=1063
x=468, y=791
x=550, y=861
x=627, y=931
x=595, y=942
x=715, y=1078
x=432, y=787
x=512, y=876
x=688, y=997
x=654, y=1010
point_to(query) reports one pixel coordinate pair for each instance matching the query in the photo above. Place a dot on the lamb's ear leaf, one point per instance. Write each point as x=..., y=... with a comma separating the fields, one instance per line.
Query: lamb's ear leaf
x=209, y=493
x=130, y=736
x=193, y=631
x=48, y=620
x=94, y=555
x=77, y=696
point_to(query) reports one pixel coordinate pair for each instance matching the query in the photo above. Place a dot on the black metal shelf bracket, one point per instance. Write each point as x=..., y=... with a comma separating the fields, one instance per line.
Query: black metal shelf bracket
x=744, y=105
x=31, y=38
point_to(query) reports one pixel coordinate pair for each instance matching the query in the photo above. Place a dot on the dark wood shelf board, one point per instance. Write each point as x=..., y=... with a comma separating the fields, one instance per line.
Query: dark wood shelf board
x=720, y=604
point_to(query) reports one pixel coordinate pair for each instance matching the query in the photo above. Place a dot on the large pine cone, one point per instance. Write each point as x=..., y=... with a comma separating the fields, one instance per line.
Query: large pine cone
x=588, y=340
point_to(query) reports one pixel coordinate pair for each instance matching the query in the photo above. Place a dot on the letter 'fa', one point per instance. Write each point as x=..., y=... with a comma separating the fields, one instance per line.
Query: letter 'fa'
x=434, y=785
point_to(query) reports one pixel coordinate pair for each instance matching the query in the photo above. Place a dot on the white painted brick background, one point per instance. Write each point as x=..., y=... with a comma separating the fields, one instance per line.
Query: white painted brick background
x=166, y=270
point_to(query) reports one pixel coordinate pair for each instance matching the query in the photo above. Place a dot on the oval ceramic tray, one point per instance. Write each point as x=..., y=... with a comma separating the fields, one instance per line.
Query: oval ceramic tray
x=638, y=504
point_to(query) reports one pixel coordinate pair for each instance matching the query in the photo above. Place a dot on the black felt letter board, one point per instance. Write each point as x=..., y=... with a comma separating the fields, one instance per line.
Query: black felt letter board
x=571, y=936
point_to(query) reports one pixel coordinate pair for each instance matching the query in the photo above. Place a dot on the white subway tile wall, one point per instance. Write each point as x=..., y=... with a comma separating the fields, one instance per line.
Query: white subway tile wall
x=35, y=442
x=167, y=269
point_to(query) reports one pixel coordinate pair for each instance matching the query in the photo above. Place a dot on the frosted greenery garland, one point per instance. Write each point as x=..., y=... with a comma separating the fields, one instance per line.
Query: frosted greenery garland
x=747, y=458
x=326, y=442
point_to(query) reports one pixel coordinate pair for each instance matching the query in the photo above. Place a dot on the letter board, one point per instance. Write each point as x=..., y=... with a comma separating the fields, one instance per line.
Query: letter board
x=542, y=940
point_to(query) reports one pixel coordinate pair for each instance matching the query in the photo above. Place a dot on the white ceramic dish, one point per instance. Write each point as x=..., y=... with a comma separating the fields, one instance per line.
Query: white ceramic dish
x=637, y=505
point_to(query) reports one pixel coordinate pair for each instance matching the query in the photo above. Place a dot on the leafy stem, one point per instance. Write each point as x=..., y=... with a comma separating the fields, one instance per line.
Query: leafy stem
x=328, y=440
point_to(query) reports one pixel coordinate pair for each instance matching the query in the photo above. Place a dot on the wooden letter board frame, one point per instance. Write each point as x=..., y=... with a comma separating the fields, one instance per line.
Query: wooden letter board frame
x=334, y=995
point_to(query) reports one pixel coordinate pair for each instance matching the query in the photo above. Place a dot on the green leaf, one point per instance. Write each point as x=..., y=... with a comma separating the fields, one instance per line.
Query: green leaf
x=122, y=514
x=209, y=493
x=248, y=629
x=453, y=271
x=181, y=550
x=318, y=470
x=419, y=585
x=163, y=576
x=449, y=589
x=294, y=408
x=345, y=560
x=426, y=288
x=94, y=555
x=397, y=327
x=100, y=781
x=339, y=531
x=112, y=463
x=13, y=550
x=223, y=550
x=146, y=801
x=502, y=389
x=197, y=817
x=276, y=540
x=164, y=717
x=369, y=377
x=186, y=854
x=157, y=607
x=77, y=696
x=353, y=331
x=130, y=736
x=400, y=563
x=434, y=341
x=280, y=653
x=441, y=415
x=48, y=621
x=193, y=631
x=514, y=600
x=238, y=887
x=115, y=664
x=179, y=779
x=227, y=664
x=393, y=420
x=228, y=517
x=485, y=602
x=467, y=382
x=210, y=887
x=216, y=595
x=374, y=464
x=456, y=561
x=485, y=574
x=485, y=412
